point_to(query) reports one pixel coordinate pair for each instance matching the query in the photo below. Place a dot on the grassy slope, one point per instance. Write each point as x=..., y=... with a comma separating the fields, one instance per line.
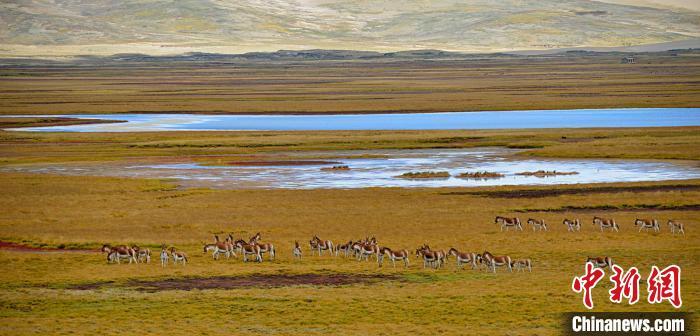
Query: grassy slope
x=88, y=211
x=490, y=83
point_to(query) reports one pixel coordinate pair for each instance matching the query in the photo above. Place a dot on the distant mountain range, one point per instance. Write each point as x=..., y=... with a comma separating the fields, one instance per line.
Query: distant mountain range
x=105, y=27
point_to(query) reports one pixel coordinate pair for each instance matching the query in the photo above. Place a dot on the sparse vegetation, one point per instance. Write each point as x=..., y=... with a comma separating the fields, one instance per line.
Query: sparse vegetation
x=425, y=175
x=545, y=173
x=480, y=175
x=336, y=168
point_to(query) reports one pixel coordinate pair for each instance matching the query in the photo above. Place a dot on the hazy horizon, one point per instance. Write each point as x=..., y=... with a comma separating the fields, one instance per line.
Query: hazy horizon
x=158, y=27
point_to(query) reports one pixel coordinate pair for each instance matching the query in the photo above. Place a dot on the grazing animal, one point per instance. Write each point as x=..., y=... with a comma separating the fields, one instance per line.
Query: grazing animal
x=508, y=222
x=463, y=258
x=522, y=264
x=296, y=252
x=321, y=245
x=142, y=254
x=572, y=224
x=645, y=224
x=537, y=224
x=606, y=223
x=178, y=256
x=164, y=257
x=116, y=253
x=676, y=227
x=601, y=262
x=249, y=249
x=393, y=256
x=493, y=261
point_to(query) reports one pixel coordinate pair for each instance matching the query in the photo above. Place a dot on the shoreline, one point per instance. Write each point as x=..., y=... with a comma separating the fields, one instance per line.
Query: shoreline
x=10, y=122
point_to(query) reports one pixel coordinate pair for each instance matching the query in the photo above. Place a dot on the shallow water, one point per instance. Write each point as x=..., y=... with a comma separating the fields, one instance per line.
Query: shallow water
x=382, y=171
x=401, y=121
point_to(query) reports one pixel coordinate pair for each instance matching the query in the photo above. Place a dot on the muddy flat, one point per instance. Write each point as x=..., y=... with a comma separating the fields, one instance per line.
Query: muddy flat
x=9, y=246
x=281, y=163
x=248, y=281
x=539, y=193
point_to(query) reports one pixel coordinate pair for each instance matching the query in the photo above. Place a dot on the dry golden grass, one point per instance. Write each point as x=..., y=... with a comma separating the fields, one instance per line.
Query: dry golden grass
x=87, y=211
x=491, y=83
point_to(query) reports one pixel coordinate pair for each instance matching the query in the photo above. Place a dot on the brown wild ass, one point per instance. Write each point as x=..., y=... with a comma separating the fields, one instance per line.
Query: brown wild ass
x=493, y=261
x=463, y=258
x=508, y=222
x=601, y=262
x=116, y=253
x=645, y=224
x=522, y=264
x=572, y=224
x=178, y=256
x=393, y=256
x=676, y=226
x=607, y=223
x=537, y=224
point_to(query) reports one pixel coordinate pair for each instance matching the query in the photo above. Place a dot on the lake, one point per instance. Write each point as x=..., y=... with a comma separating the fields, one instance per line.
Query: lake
x=633, y=117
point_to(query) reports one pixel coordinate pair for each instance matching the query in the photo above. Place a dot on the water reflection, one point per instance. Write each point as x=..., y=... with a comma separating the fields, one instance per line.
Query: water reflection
x=381, y=170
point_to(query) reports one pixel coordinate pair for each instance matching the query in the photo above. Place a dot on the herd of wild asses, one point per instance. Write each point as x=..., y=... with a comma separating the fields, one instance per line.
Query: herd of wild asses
x=364, y=249
x=573, y=225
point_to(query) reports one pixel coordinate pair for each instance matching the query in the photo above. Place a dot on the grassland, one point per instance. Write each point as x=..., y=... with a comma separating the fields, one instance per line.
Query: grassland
x=78, y=293
x=679, y=143
x=60, y=293
x=488, y=82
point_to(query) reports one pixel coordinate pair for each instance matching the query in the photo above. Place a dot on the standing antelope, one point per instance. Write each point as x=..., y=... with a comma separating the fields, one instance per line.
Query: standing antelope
x=537, y=224
x=493, y=261
x=676, y=226
x=601, y=262
x=606, y=223
x=572, y=224
x=393, y=256
x=296, y=252
x=522, y=264
x=321, y=245
x=463, y=258
x=645, y=224
x=116, y=253
x=508, y=222
x=164, y=256
x=178, y=256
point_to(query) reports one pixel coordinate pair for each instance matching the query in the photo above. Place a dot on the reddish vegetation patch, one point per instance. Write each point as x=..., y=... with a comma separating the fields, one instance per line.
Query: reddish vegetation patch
x=624, y=207
x=283, y=163
x=260, y=280
x=248, y=281
x=89, y=286
x=537, y=193
x=26, y=248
